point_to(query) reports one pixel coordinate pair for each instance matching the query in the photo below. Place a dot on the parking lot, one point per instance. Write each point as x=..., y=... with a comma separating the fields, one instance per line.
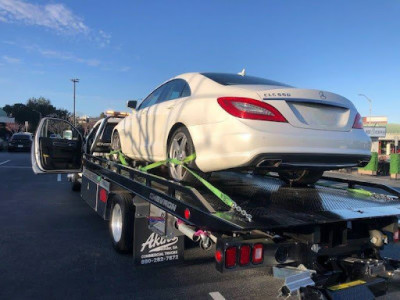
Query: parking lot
x=53, y=245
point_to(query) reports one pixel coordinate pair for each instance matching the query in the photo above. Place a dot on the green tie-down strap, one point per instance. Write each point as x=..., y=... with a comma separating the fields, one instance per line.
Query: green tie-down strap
x=220, y=195
x=121, y=157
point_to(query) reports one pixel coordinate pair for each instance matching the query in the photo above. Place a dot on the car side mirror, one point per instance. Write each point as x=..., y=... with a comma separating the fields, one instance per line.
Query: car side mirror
x=131, y=104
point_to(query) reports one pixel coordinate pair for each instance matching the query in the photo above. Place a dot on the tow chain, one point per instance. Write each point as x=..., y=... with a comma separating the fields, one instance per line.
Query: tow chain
x=219, y=194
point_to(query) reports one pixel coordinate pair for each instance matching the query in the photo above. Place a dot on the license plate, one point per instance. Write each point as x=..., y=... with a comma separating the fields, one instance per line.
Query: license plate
x=20, y=146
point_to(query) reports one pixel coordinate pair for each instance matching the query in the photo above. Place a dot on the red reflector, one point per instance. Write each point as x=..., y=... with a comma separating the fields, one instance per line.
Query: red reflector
x=230, y=257
x=218, y=256
x=187, y=214
x=244, y=258
x=103, y=195
x=358, y=122
x=252, y=109
x=396, y=236
x=258, y=253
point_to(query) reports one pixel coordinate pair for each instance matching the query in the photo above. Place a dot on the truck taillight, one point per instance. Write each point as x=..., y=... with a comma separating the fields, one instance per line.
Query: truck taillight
x=103, y=195
x=258, y=254
x=218, y=256
x=230, y=257
x=244, y=255
x=246, y=108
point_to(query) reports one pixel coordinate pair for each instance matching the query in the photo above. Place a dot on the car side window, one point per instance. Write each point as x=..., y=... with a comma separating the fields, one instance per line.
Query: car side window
x=186, y=91
x=152, y=98
x=173, y=90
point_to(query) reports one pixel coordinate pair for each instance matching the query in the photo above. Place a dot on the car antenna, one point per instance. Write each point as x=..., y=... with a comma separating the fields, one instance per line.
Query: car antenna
x=242, y=73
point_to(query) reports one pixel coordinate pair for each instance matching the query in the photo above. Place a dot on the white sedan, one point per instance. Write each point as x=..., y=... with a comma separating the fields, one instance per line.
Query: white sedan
x=232, y=121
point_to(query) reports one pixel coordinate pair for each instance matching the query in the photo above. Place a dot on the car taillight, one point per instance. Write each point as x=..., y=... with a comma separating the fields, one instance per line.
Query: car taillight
x=258, y=254
x=244, y=255
x=358, y=122
x=230, y=257
x=396, y=236
x=247, y=108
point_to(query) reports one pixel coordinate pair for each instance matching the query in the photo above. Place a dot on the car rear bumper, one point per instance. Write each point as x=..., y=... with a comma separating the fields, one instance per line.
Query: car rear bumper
x=307, y=161
x=16, y=148
x=233, y=144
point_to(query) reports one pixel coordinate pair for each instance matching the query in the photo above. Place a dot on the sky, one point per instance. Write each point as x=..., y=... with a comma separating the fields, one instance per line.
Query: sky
x=121, y=50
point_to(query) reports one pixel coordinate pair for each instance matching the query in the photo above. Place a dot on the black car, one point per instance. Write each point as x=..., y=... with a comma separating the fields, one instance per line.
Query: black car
x=20, y=142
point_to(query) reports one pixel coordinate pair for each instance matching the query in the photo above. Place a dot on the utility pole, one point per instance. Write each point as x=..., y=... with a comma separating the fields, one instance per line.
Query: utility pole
x=74, y=80
x=370, y=105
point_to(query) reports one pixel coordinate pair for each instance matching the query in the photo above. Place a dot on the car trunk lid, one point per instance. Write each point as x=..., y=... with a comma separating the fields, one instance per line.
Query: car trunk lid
x=311, y=109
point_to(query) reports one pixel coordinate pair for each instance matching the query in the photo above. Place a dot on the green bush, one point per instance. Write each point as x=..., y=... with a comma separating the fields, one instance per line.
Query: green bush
x=373, y=163
x=394, y=163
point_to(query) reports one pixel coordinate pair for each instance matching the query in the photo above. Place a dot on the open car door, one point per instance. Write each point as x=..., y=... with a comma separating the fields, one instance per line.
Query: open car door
x=57, y=147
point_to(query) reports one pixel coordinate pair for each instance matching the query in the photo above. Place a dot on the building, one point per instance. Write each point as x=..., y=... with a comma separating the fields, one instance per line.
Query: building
x=384, y=136
x=5, y=123
x=390, y=143
x=4, y=119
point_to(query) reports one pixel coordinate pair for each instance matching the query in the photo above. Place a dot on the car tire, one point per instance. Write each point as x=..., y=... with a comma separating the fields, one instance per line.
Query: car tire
x=116, y=141
x=122, y=215
x=300, y=177
x=180, y=145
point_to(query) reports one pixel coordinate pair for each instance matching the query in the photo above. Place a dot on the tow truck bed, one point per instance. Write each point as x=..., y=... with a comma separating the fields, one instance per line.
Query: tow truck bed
x=272, y=203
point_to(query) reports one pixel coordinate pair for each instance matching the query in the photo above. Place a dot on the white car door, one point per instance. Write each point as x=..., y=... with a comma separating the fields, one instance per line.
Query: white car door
x=158, y=117
x=142, y=124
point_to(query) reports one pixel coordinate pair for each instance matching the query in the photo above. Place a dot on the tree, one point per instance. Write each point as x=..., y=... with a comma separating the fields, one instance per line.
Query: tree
x=33, y=110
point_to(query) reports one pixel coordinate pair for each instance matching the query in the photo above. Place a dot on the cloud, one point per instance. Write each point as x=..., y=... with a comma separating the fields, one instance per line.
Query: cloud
x=11, y=60
x=56, y=17
x=125, y=69
x=64, y=56
x=103, y=38
x=53, y=16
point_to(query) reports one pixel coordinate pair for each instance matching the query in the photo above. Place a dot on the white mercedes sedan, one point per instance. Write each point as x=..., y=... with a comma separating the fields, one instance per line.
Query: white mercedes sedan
x=240, y=122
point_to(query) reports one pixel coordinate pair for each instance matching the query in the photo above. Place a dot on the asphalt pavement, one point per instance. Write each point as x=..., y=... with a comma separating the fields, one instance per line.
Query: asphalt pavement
x=53, y=245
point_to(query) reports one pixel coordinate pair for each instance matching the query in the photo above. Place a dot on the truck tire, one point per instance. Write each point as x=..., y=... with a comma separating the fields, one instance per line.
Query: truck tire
x=76, y=186
x=122, y=216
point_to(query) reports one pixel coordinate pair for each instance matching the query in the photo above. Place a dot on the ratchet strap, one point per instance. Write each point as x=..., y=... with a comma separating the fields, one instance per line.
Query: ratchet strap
x=360, y=192
x=219, y=194
x=121, y=157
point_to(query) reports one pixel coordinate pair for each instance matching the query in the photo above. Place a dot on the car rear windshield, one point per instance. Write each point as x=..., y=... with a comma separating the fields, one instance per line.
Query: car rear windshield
x=20, y=137
x=235, y=79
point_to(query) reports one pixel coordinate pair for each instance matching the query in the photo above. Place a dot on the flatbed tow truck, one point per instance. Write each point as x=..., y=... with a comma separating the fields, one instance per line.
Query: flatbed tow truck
x=323, y=241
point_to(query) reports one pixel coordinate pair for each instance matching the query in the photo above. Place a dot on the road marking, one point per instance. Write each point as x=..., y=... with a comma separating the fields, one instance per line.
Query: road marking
x=216, y=296
x=4, y=162
x=58, y=177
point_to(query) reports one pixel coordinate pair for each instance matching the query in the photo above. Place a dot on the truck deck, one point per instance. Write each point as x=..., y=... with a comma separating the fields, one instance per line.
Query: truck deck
x=272, y=203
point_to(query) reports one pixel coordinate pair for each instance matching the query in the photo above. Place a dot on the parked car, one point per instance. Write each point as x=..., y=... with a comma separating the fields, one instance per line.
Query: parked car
x=3, y=144
x=241, y=122
x=21, y=141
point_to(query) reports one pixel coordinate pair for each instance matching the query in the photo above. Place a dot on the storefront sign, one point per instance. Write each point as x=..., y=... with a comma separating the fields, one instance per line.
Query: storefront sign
x=375, y=131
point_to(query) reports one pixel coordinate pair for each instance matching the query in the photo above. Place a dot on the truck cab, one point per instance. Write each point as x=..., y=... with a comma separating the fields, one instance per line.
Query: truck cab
x=59, y=146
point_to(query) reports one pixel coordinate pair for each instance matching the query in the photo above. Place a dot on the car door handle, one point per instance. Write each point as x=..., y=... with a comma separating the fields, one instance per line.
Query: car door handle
x=170, y=107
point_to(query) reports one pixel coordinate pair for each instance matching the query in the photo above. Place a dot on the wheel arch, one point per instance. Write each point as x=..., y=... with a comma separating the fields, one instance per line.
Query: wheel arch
x=171, y=131
x=116, y=131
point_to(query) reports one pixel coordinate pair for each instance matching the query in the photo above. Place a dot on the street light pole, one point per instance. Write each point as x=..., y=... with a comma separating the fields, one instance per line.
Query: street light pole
x=74, y=80
x=370, y=104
